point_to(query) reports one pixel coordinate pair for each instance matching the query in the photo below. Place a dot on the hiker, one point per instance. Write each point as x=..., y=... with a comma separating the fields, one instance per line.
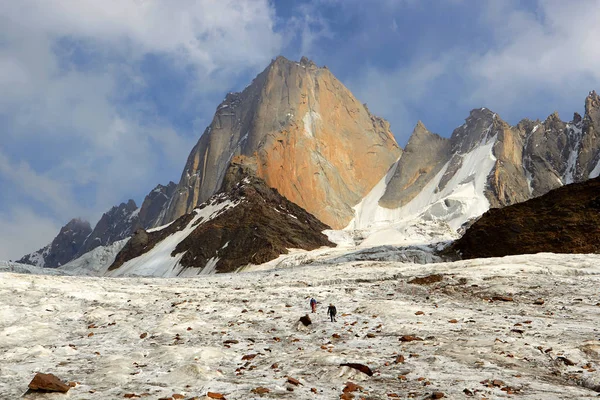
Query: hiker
x=331, y=311
x=313, y=305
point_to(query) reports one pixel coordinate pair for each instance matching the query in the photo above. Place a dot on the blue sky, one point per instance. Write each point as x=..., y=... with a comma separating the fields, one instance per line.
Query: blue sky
x=102, y=100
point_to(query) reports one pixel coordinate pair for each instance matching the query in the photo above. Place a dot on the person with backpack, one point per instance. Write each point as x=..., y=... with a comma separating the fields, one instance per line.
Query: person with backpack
x=331, y=311
x=313, y=305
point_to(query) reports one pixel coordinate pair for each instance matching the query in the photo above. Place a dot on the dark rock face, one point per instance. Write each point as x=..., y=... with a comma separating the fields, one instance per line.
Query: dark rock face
x=154, y=203
x=63, y=248
x=118, y=223
x=143, y=241
x=261, y=226
x=565, y=220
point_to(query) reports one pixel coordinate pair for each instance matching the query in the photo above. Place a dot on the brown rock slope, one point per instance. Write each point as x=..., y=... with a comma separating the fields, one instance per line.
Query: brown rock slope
x=261, y=226
x=301, y=131
x=565, y=220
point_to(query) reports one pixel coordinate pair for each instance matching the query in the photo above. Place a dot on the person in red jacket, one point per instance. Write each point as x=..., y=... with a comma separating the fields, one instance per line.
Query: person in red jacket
x=313, y=305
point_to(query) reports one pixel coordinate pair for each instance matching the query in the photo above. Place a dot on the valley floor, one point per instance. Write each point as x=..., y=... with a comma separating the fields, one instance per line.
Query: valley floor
x=483, y=335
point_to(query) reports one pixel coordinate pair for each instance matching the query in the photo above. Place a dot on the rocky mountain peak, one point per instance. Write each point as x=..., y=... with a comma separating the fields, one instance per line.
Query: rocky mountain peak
x=63, y=248
x=419, y=137
x=118, y=223
x=420, y=129
x=481, y=125
x=300, y=129
x=554, y=117
x=77, y=224
x=154, y=203
x=592, y=105
x=305, y=62
x=424, y=156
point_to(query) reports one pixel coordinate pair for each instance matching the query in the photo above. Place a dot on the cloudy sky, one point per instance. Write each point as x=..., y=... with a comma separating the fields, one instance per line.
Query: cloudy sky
x=100, y=100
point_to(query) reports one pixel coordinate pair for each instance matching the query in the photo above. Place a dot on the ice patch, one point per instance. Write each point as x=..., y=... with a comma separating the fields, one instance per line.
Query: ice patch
x=576, y=133
x=310, y=119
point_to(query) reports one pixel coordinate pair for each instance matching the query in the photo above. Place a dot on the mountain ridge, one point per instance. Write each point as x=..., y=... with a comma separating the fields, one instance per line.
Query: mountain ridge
x=301, y=131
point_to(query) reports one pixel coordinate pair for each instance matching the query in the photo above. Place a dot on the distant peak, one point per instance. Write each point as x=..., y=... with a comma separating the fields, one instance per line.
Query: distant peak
x=553, y=117
x=420, y=128
x=592, y=101
x=304, y=61
x=482, y=112
x=307, y=62
x=78, y=222
x=421, y=135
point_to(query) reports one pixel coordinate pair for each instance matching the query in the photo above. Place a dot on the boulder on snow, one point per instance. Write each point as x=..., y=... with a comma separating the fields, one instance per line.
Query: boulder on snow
x=48, y=383
x=305, y=320
x=427, y=280
x=360, y=367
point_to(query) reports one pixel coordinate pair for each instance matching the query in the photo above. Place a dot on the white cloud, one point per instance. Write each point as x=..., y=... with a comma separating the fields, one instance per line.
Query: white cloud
x=23, y=231
x=550, y=50
x=530, y=62
x=394, y=92
x=116, y=146
x=41, y=188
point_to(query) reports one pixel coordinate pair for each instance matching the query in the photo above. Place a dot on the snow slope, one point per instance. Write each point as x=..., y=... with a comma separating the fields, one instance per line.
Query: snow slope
x=94, y=262
x=480, y=326
x=158, y=261
x=433, y=215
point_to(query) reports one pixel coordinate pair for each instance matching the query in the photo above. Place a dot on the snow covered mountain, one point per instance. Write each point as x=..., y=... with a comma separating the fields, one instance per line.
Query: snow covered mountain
x=485, y=163
x=247, y=223
x=64, y=248
x=78, y=238
x=301, y=131
x=120, y=222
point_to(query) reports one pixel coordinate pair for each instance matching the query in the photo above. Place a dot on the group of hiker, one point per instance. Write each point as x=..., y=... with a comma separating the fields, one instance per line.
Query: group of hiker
x=331, y=310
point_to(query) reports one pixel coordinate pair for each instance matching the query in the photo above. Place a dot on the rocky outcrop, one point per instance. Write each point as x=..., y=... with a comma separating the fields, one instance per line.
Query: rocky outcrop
x=118, y=223
x=565, y=220
x=424, y=156
x=63, y=248
x=302, y=132
x=249, y=224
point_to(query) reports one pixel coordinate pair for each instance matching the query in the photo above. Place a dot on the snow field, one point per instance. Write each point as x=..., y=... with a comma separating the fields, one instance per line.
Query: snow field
x=188, y=336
